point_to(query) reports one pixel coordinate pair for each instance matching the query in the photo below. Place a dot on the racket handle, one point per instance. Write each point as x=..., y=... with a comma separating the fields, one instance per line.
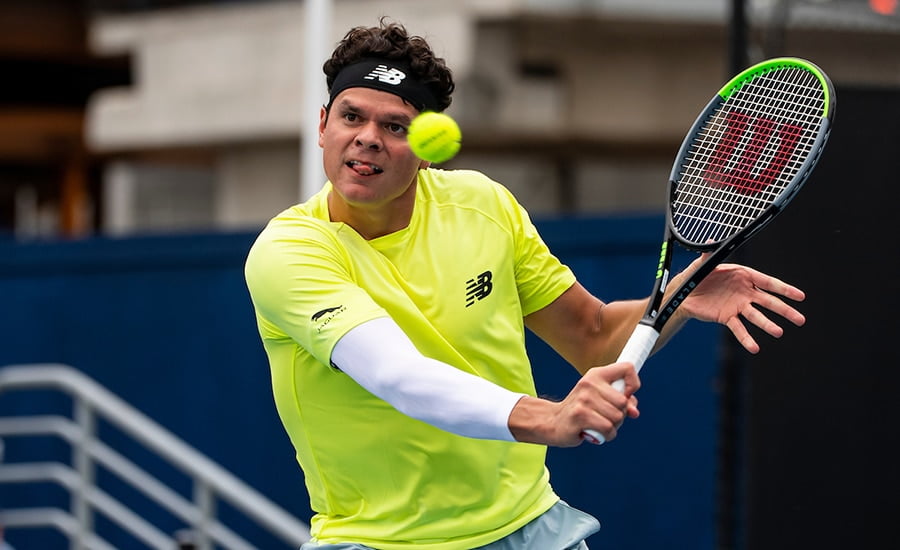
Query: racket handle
x=637, y=349
x=636, y=352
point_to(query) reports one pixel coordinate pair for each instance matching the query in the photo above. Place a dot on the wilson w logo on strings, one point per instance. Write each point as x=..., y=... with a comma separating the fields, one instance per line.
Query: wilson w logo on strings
x=752, y=153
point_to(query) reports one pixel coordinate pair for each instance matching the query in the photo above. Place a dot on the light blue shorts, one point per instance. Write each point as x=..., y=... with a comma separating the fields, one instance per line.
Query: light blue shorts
x=559, y=528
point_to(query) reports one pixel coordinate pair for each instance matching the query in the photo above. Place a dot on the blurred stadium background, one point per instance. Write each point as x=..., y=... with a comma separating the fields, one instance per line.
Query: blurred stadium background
x=144, y=142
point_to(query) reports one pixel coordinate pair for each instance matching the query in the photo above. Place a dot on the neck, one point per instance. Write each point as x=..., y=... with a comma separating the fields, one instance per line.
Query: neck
x=373, y=221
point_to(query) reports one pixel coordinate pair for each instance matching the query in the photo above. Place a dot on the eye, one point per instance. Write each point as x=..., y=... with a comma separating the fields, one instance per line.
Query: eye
x=396, y=129
x=351, y=117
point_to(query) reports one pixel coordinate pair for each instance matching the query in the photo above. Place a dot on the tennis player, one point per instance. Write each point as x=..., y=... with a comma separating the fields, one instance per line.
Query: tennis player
x=393, y=305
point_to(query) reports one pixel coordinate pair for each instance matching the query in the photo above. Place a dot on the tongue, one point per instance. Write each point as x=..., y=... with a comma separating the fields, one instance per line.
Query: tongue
x=363, y=169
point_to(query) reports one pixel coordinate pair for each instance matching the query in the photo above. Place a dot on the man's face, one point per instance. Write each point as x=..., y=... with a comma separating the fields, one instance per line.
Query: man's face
x=366, y=155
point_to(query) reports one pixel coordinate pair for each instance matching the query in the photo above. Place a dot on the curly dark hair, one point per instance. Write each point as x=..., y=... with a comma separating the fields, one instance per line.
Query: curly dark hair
x=391, y=41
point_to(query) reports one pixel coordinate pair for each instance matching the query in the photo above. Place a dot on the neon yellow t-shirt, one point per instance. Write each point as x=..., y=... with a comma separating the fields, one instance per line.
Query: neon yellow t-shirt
x=458, y=280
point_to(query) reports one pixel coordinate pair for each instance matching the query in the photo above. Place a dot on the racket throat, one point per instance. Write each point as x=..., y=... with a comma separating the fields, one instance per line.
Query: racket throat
x=662, y=279
x=663, y=315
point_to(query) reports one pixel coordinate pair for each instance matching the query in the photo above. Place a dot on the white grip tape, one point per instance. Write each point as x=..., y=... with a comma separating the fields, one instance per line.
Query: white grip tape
x=638, y=347
x=636, y=352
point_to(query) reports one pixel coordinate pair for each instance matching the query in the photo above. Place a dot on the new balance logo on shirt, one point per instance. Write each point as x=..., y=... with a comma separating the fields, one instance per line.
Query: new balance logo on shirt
x=478, y=288
x=387, y=75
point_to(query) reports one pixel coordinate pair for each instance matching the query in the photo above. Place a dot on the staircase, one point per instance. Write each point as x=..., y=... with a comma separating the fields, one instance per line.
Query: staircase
x=203, y=528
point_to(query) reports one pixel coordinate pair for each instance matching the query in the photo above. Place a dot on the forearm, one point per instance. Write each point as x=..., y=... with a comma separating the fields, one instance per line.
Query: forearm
x=587, y=332
x=382, y=359
x=529, y=420
x=583, y=329
x=634, y=312
x=617, y=320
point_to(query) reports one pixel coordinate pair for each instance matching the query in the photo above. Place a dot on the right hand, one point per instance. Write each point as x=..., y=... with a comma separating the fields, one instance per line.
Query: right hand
x=592, y=404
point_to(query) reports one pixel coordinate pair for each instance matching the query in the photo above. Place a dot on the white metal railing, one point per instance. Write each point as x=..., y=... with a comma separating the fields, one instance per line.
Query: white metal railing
x=92, y=401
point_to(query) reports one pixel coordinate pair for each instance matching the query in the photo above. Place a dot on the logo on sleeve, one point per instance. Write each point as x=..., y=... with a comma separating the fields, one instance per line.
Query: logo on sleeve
x=326, y=316
x=318, y=315
x=478, y=288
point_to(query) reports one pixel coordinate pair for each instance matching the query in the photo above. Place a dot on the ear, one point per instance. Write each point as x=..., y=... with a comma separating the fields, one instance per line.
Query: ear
x=323, y=118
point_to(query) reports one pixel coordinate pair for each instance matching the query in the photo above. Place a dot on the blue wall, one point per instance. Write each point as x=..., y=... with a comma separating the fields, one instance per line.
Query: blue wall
x=167, y=324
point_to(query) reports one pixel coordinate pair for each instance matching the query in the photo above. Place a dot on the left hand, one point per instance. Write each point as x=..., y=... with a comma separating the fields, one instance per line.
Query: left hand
x=731, y=293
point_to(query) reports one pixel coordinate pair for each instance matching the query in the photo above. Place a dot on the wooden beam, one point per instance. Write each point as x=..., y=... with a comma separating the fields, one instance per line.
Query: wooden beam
x=43, y=28
x=40, y=134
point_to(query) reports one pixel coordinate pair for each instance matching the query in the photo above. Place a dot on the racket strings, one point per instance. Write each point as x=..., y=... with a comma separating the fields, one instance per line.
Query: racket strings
x=746, y=154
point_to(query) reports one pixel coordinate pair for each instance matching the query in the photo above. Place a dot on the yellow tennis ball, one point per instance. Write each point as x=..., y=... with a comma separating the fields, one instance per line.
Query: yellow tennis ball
x=434, y=137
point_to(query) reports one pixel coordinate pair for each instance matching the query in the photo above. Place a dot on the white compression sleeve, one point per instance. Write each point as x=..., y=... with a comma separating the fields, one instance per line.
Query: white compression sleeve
x=381, y=358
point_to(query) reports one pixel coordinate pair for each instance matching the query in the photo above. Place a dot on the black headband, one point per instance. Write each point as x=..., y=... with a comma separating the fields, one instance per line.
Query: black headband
x=386, y=75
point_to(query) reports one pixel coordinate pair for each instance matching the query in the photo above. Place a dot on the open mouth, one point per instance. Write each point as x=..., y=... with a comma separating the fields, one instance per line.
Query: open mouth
x=364, y=168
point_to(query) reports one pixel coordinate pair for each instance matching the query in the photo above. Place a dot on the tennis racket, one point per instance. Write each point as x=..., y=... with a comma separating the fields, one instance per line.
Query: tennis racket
x=748, y=153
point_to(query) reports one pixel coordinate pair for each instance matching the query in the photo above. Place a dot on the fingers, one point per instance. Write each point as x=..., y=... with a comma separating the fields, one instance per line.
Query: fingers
x=741, y=334
x=604, y=407
x=620, y=371
x=744, y=295
x=766, y=299
x=632, y=408
x=759, y=319
x=766, y=292
x=762, y=321
x=776, y=286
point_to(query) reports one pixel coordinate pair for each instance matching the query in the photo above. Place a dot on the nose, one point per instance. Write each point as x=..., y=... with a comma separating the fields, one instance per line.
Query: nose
x=369, y=136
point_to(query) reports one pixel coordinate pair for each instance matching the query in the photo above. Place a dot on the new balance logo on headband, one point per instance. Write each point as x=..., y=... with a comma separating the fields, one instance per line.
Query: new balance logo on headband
x=389, y=75
x=386, y=75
